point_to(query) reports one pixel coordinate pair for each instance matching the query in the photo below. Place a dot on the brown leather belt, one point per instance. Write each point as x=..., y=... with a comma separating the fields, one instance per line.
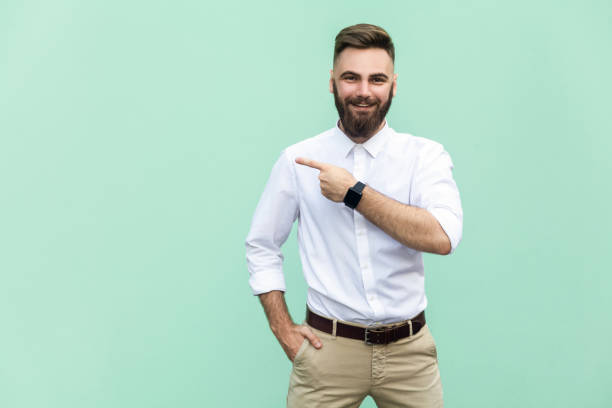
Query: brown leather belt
x=383, y=334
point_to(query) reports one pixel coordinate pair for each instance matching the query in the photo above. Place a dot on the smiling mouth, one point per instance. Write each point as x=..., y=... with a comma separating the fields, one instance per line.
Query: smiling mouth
x=362, y=106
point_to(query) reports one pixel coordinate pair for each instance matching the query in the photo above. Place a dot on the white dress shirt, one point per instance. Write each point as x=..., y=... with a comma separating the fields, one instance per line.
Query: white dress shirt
x=354, y=271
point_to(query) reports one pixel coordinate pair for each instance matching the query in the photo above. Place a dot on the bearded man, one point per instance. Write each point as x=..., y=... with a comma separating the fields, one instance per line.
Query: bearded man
x=369, y=201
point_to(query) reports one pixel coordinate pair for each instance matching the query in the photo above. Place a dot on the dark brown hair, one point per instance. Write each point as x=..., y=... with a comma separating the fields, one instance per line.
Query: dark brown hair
x=364, y=36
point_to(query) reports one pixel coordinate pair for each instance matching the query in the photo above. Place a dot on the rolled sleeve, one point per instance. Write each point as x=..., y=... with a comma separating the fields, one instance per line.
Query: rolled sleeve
x=436, y=191
x=274, y=216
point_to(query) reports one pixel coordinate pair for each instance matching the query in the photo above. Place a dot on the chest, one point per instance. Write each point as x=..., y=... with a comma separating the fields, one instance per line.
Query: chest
x=388, y=174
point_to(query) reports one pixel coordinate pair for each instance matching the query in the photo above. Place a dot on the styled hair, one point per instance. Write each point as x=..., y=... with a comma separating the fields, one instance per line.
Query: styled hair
x=364, y=36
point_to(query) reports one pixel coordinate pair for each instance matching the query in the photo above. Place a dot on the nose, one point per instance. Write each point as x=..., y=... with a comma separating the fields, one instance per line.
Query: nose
x=363, y=91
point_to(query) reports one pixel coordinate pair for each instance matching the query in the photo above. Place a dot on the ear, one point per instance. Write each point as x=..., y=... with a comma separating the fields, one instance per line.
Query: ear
x=394, y=84
x=331, y=81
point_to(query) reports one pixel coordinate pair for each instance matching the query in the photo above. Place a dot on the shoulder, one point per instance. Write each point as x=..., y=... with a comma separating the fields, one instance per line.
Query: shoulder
x=407, y=144
x=308, y=146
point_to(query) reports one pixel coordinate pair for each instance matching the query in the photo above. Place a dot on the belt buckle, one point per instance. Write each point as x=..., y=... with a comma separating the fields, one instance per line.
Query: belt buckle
x=375, y=329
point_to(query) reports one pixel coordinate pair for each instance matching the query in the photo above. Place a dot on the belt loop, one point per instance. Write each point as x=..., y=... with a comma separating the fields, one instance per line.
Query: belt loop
x=334, y=326
x=410, y=325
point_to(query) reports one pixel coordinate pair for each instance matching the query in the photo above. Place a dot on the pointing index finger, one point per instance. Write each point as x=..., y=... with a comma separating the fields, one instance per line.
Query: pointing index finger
x=310, y=163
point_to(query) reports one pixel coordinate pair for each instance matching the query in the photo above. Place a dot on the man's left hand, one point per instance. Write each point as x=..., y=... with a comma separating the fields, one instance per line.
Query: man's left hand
x=335, y=181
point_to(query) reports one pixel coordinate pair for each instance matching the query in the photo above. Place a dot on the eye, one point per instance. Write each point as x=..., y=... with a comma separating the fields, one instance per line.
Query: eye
x=378, y=80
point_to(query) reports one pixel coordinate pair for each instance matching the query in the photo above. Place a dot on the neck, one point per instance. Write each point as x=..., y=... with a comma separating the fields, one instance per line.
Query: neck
x=365, y=138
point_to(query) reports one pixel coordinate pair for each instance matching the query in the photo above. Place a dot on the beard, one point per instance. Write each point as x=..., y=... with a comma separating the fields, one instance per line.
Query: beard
x=362, y=124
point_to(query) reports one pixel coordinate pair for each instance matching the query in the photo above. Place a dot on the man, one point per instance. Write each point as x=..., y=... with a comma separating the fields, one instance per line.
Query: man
x=368, y=201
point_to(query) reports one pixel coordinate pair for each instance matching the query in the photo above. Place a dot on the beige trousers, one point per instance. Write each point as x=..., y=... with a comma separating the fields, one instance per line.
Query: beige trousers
x=344, y=371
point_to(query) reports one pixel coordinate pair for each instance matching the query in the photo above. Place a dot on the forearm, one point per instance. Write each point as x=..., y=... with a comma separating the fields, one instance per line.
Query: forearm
x=276, y=311
x=412, y=226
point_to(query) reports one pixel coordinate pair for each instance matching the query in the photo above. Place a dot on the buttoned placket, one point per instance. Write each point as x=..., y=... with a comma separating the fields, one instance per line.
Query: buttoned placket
x=363, y=247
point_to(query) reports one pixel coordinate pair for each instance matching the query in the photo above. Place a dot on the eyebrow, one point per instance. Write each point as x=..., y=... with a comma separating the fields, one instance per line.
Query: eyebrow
x=376, y=75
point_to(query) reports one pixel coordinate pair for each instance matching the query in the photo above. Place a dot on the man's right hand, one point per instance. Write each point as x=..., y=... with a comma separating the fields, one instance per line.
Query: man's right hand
x=289, y=335
x=291, y=339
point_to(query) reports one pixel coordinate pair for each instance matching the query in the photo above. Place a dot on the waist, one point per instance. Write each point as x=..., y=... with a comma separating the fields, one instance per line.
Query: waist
x=382, y=334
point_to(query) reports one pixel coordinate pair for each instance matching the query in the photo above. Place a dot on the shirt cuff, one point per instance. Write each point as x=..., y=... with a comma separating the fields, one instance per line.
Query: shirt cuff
x=451, y=223
x=266, y=281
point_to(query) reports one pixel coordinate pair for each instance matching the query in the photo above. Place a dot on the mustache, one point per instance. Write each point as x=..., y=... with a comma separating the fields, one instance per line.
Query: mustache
x=362, y=101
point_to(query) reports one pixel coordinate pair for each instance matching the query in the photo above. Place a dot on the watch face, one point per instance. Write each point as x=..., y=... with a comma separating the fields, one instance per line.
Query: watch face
x=352, y=198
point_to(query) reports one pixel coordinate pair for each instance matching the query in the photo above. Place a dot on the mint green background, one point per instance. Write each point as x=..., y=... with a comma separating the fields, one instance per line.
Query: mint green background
x=136, y=138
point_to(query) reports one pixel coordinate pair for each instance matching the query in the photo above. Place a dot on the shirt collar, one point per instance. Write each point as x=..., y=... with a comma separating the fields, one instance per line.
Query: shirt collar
x=373, y=146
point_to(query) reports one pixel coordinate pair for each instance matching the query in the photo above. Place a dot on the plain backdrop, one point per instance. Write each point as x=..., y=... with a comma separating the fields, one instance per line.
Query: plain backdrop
x=137, y=136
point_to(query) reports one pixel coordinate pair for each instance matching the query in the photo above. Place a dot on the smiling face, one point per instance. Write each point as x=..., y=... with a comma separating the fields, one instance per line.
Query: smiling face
x=363, y=84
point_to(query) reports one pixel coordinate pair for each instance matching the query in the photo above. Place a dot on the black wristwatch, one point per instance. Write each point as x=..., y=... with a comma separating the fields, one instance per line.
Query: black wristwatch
x=353, y=195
